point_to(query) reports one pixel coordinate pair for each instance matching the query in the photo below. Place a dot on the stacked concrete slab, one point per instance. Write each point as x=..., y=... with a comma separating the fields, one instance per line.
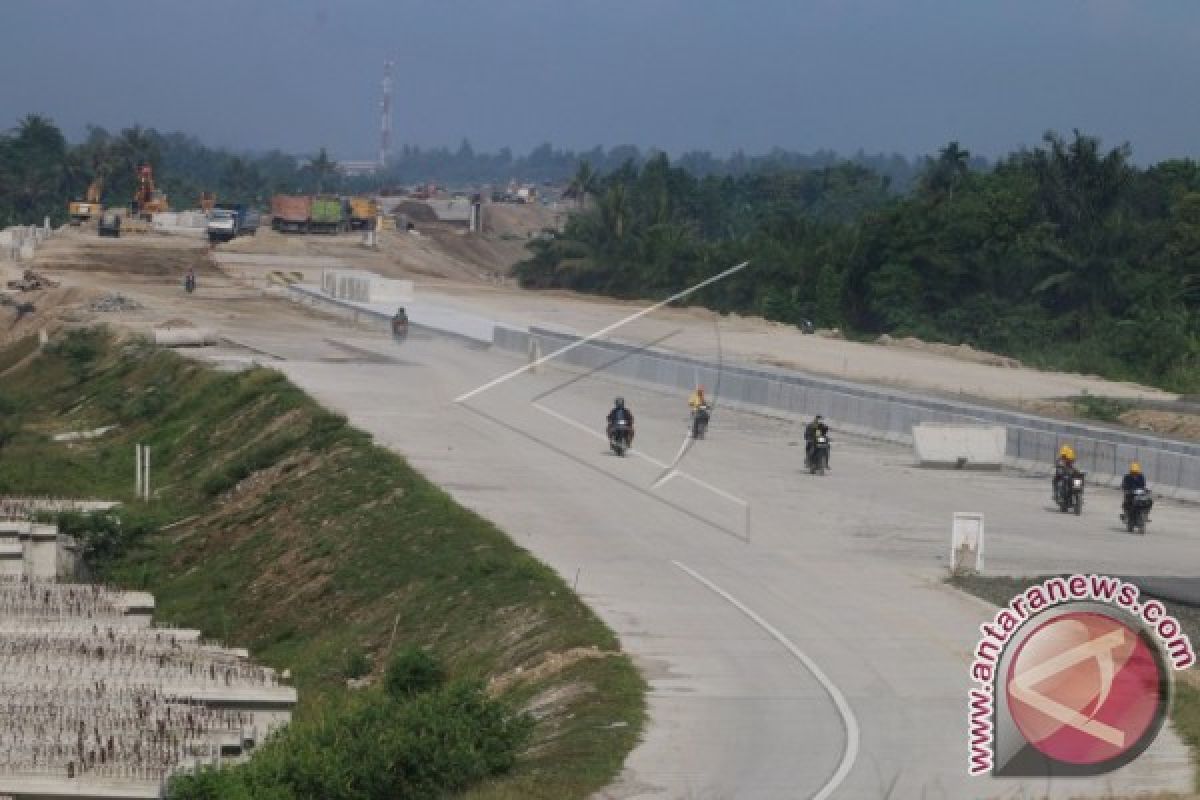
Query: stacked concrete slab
x=99, y=703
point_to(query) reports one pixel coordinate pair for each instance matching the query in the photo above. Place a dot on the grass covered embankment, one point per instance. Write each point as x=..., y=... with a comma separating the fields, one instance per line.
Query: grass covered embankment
x=276, y=526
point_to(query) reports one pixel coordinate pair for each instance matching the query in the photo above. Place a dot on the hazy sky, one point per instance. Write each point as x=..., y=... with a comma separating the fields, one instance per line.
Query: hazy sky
x=883, y=75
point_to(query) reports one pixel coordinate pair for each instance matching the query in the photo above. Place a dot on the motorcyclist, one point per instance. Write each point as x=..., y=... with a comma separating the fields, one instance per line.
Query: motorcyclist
x=619, y=413
x=189, y=280
x=1064, y=466
x=400, y=322
x=815, y=428
x=1133, y=480
x=697, y=399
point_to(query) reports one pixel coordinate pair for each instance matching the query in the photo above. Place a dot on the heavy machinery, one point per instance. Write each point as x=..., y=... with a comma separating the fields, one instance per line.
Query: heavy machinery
x=147, y=201
x=328, y=214
x=228, y=220
x=363, y=211
x=81, y=211
x=110, y=223
x=290, y=212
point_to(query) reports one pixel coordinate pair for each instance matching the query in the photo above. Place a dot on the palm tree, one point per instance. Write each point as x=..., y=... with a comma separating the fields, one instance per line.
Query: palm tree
x=321, y=168
x=614, y=211
x=948, y=171
x=583, y=184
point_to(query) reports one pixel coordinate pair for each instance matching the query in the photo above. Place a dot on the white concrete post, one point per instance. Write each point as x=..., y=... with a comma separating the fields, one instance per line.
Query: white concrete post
x=137, y=480
x=146, y=477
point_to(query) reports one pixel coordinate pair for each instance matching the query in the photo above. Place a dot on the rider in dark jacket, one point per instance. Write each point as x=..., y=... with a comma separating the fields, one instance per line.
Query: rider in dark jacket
x=1133, y=480
x=620, y=412
x=811, y=431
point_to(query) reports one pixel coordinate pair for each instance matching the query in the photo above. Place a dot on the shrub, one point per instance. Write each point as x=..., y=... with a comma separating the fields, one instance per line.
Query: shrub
x=411, y=672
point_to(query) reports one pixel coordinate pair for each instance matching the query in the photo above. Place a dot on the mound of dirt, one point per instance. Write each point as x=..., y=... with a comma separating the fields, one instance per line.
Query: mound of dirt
x=962, y=352
x=418, y=212
x=52, y=309
x=1166, y=423
x=156, y=256
x=520, y=220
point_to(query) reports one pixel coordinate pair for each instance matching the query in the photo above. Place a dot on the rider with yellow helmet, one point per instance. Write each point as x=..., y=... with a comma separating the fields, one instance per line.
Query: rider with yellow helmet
x=1133, y=480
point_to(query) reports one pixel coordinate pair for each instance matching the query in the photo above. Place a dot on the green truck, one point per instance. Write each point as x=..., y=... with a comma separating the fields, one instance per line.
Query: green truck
x=328, y=214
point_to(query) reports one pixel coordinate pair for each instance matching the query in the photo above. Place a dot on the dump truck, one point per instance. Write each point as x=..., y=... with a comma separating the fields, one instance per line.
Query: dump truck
x=290, y=212
x=363, y=211
x=228, y=220
x=328, y=214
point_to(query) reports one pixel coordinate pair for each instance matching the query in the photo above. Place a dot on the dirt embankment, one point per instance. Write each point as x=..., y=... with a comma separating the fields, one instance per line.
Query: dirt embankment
x=1181, y=425
x=962, y=352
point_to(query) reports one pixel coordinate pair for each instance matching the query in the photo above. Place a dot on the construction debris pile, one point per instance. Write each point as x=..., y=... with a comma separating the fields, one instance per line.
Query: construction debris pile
x=115, y=302
x=32, y=282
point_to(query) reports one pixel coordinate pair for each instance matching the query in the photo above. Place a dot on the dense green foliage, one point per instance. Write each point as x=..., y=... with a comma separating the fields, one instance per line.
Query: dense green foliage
x=426, y=741
x=40, y=171
x=1064, y=255
x=464, y=166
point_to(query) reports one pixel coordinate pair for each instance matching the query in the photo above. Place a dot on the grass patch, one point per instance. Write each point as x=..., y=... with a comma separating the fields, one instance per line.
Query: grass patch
x=1105, y=409
x=1185, y=711
x=275, y=525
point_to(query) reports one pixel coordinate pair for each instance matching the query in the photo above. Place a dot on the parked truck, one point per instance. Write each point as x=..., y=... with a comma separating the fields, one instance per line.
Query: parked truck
x=363, y=211
x=110, y=223
x=328, y=214
x=228, y=220
x=291, y=212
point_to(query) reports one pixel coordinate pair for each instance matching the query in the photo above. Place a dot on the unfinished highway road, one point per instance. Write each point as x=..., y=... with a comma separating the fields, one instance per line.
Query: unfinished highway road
x=796, y=631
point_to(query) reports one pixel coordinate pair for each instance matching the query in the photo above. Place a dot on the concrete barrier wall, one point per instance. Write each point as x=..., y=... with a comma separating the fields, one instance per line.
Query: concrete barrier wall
x=19, y=242
x=1171, y=466
x=938, y=445
x=477, y=330
x=361, y=286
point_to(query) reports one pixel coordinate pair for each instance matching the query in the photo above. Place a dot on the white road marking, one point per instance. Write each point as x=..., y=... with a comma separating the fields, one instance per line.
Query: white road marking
x=849, y=722
x=603, y=331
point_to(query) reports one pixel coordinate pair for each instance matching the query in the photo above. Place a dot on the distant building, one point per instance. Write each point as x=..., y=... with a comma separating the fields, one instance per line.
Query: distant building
x=355, y=168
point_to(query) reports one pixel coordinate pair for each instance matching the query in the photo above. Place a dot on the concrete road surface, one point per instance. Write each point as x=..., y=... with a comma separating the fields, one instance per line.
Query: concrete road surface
x=795, y=630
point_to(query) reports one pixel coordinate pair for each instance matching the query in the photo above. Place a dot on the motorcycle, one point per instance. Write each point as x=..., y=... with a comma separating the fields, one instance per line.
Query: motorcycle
x=1068, y=492
x=620, y=435
x=700, y=417
x=1139, y=511
x=817, y=460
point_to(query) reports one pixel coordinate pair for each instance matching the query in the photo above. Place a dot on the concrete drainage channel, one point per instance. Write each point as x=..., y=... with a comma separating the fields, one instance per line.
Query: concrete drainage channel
x=1172, y=467
x=101, y=703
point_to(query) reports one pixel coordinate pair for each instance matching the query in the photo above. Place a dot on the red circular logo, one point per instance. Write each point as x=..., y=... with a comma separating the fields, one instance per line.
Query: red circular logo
x=1085, y=688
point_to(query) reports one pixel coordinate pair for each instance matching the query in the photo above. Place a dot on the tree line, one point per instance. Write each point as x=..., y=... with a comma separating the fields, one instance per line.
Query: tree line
x=40, y=171
x=1065, y=255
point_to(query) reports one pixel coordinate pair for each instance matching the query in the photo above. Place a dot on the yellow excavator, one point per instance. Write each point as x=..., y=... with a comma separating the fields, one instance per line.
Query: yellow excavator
x=147, y=201
x=82, y=211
